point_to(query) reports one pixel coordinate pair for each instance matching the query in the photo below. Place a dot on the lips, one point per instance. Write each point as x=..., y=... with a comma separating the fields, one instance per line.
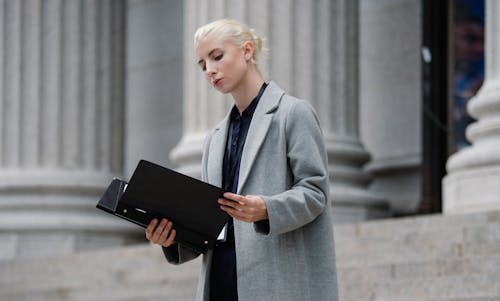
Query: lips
x=217, y=82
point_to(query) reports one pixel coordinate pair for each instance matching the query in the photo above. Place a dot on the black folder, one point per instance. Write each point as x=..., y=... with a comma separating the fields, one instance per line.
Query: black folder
x=158, y=192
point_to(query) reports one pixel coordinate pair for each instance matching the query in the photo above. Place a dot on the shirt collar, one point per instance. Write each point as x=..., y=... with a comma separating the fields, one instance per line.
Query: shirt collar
x=248, y=112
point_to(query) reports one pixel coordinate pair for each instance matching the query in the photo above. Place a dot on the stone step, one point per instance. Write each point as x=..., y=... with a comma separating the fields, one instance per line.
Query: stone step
x=141, y=274
x=415, y=254
x=402, y=227
x=424, y=269
x=469, y=287
x=130, y=273
x=471, y=279
x=430, y=258
x=476, y=233
x=465, y=240
x=120, y=293
x=432, y=261
x=494, y=298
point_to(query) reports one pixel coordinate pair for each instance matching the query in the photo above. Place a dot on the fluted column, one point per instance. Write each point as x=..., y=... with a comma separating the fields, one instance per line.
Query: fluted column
x=313, y=55
x=337, y=102
x=61, y=114
x=473, y=180
x=202, y=106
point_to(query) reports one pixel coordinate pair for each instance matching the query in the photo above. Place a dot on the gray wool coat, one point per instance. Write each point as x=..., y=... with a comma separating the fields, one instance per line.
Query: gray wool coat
x=291, y=256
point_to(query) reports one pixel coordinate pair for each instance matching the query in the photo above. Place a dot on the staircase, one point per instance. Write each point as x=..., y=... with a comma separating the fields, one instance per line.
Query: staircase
x=430, y=258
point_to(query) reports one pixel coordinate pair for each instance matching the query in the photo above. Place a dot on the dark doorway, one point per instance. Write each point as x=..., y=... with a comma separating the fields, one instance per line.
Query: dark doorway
x=435, y=96
x=453, y=71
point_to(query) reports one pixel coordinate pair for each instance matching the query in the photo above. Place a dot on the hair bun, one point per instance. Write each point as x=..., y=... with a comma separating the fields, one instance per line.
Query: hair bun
x=235, y=30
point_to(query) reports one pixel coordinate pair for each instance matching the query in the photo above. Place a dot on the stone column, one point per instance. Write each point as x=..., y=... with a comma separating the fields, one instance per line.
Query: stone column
x=337, y=102
x=473, y=180
x=391, y=118
x=153, y=85
x=313, y=55
x=203, y=107
x=61, y=132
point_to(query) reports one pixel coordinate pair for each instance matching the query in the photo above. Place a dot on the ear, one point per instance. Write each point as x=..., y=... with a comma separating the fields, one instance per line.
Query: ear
x=248, y=50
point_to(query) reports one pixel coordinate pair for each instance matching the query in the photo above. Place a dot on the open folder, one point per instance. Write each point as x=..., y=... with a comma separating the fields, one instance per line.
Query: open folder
x=158, y=192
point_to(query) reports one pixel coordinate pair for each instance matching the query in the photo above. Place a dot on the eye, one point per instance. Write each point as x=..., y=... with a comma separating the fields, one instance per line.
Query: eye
x=218, y=57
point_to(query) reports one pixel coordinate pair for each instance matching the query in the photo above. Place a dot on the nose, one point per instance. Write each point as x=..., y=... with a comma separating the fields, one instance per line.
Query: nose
x=210, y=70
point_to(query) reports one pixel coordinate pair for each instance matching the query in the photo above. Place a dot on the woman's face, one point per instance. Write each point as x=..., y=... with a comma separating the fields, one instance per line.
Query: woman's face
x=223, y=63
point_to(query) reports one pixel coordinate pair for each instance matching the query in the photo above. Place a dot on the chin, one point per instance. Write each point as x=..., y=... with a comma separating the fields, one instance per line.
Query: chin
x=223, y=90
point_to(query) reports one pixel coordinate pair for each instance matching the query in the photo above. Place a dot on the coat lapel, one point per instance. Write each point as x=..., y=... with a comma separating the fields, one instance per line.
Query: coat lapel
x=216, y=155
x=259, y=126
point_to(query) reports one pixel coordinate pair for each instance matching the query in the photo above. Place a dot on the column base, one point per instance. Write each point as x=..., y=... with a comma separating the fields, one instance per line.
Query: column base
x=398, y=181
x=472, y=190
x=351, y=205
x=47, y=214
x=473, y=180
x=352, y=201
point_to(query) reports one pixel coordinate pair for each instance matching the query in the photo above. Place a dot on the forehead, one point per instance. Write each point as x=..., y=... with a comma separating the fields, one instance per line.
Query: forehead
x=206, y=45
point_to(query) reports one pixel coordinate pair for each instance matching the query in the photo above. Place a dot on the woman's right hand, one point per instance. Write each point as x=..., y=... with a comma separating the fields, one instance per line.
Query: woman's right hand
x=161, y=234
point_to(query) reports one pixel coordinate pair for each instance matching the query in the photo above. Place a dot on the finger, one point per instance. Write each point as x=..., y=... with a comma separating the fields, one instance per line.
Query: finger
x=151, y=227
x=231, y=204
x=164, y=233
x=234, y=213
x=235, y=197
x=159, y=229
x=247, y=214
x=171, y=238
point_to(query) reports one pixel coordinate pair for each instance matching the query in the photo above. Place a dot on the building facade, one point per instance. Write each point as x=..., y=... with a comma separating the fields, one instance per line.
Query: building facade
x=89, y=87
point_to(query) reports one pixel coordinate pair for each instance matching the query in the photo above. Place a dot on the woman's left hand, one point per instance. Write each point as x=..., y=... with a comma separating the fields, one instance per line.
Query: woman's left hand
x=249, y=208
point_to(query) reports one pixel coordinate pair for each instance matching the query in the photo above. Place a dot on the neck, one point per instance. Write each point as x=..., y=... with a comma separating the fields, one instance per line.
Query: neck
x=247, y=90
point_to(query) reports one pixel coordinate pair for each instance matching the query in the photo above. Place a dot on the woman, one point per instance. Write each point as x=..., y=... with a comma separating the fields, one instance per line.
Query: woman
x=269, y=153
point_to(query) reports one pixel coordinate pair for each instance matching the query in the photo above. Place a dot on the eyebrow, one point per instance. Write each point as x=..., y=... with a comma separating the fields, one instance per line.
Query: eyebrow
x=210, y=53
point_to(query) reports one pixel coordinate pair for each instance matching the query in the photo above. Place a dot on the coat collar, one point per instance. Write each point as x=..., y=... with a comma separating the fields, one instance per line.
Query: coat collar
x=259, y=126
x=216, y=152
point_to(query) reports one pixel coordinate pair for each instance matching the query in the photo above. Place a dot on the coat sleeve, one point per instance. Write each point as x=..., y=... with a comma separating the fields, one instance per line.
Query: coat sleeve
x=307, y=162
x=177, y=253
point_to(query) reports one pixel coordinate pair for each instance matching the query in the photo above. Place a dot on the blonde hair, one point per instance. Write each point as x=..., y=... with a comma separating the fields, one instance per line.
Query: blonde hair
x=238, y=32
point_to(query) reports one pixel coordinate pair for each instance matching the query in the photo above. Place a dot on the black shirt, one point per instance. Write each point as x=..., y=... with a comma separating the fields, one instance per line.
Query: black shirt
x=223, y=272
